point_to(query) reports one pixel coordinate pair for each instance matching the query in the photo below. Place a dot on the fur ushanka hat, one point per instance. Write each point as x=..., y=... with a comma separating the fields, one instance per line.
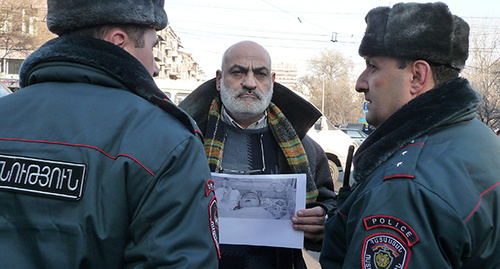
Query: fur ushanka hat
x=67, y=15
x=417, y=31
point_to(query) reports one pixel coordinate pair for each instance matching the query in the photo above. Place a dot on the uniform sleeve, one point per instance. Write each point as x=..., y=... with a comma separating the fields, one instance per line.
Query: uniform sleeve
x=176, y=225
x=398, y=224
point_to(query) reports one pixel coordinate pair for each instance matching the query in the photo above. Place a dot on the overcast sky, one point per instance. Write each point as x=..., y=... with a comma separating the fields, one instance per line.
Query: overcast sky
x=291, y=30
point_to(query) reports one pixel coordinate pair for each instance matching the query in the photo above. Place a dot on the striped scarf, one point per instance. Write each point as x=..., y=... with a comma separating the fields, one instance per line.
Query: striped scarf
x=282, y=130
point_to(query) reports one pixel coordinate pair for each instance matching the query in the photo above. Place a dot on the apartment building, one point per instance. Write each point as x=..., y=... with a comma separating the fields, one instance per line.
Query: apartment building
x=174, y=62
x=286, y=74
x=23, y=29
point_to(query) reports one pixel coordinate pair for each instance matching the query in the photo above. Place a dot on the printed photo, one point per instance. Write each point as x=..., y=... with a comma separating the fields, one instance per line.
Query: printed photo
x=257, y=209
x=257, y=198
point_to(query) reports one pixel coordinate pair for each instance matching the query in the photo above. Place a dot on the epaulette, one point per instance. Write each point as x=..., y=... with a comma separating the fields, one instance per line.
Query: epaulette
x=404, y=161
x=179, y=114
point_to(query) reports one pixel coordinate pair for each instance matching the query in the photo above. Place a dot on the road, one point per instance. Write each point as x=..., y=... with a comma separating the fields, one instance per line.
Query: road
x=311, y=258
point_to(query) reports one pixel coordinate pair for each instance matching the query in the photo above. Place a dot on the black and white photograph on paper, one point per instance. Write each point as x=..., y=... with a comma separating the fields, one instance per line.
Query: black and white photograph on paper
x=257, y=209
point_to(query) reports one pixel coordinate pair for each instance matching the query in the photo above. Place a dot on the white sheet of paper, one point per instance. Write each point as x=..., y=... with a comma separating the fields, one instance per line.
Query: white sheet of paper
x=263, y=216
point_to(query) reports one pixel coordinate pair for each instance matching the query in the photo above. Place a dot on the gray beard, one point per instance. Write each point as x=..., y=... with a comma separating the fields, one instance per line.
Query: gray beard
x=237, y=107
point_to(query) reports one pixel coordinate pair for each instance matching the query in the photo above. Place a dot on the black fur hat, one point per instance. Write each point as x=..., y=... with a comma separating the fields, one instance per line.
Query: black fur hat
x=68, y=15
x=417, y=31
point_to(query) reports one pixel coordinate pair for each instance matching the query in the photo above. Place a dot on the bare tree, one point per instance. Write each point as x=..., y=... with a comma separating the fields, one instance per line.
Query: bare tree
x=22, y=27
x=483, y=69
x=329, y=86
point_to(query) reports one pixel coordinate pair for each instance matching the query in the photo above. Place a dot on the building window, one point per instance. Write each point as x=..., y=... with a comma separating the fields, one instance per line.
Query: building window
x=32, y=27
x=13, y=66
x=6, y=27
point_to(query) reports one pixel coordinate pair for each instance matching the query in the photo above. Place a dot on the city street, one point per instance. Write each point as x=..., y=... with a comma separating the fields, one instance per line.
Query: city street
x=312, y=259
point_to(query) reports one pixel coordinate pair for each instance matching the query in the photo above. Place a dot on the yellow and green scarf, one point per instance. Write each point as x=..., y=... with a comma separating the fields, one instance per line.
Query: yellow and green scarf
x=282, y=130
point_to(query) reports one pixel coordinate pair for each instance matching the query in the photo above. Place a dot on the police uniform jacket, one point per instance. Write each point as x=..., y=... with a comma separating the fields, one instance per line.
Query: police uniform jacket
x=98, y=169
x=428, y=190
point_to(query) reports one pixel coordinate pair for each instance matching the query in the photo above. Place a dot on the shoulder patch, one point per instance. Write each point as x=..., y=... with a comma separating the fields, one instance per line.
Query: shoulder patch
x=381, y=221
x=385, y=251
x=210, y=187
x=404, y=161
x=55, y=179
x=214, y=223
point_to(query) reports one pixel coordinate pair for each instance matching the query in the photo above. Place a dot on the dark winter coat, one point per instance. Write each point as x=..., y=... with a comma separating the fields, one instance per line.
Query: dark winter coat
x=428, y=193
x=98, y=169
x=302, y=115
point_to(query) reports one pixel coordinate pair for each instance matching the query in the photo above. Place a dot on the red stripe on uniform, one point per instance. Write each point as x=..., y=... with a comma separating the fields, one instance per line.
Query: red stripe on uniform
x=479, y=203
x=82, y=146
x=396, y=176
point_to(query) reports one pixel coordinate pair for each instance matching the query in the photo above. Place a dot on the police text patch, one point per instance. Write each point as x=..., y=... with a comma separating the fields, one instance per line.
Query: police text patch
x=210, y=187
x=382, y=221
x=42, y=177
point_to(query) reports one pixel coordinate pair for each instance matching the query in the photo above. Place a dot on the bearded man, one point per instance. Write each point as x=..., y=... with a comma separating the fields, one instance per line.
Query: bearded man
x=253, y=125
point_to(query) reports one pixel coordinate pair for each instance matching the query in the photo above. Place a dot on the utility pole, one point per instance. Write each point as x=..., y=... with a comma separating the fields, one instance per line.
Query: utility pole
x=323, y=98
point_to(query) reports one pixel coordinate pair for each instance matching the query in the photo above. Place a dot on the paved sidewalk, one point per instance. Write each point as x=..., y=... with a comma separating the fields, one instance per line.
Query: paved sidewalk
x=311, y=259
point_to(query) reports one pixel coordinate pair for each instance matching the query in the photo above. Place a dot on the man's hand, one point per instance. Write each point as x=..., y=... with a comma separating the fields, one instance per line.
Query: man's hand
x=311, y=222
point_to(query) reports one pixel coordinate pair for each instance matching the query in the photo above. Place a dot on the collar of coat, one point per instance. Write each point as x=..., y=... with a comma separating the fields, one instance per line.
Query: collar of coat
x=121, y=69
x=99, y=54
x=299, y=112
x=451, y=102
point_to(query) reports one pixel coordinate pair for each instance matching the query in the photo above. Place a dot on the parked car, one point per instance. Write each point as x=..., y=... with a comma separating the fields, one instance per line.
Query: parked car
x=11, y=83
x=336, y=145
x=4, y=90
x=351, y=125
x=366, y=128
x=357, y=135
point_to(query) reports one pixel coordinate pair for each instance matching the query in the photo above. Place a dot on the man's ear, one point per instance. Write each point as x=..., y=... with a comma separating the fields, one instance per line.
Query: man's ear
x=117, y=36
x=218, y=77
x=421, y=77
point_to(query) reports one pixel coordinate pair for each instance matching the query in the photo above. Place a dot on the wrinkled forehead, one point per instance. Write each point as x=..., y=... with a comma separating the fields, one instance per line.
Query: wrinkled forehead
x=248, y=55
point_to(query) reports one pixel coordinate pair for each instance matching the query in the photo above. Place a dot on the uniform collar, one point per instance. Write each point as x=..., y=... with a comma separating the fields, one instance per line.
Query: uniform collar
x=449, y=103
